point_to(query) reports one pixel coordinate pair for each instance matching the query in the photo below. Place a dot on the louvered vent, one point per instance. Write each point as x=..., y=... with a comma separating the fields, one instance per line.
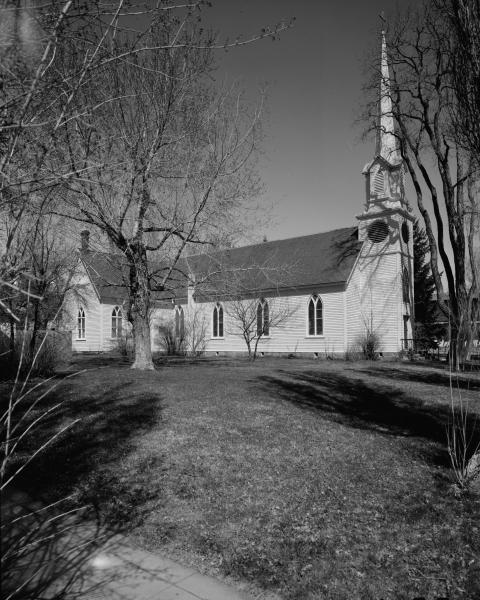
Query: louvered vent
x=379, y=183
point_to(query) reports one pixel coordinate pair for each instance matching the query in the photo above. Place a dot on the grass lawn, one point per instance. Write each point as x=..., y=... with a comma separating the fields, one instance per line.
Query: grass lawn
x=305, y=479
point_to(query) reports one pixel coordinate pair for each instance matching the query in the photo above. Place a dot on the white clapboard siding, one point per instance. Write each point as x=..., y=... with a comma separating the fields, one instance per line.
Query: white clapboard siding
x=108, y=342
x=85, y=297
x=289, y=337
x=374, y=296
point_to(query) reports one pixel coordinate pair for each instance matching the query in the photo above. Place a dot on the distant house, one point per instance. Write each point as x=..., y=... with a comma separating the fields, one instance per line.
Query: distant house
x=337, y=283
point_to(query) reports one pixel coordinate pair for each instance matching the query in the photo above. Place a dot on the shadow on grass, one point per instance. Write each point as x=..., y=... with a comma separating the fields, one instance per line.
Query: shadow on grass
x=111, y=407
x=432, y=377
x=378, y=408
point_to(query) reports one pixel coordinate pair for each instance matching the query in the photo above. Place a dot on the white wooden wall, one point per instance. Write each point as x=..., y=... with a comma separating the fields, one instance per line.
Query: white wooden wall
x=87, y=298
x=374, y=293
x=98, y=317
x=290, y=337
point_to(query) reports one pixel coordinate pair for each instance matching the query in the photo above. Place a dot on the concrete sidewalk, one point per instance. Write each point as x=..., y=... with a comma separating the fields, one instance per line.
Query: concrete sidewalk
x=122, y=571
x=117, y=570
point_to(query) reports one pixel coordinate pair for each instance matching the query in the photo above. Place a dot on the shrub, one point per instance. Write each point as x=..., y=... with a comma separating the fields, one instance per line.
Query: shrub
x=125, y=346
x=353, y=353
x=462, y=443
x=172, y=344
x=41, y=556
x=369, y=342
x=370, y=345
x=196, y=330
x=52, y=349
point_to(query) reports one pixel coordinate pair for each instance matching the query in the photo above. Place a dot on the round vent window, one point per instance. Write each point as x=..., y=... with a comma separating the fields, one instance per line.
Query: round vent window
x=405, y=233
x=377, y=231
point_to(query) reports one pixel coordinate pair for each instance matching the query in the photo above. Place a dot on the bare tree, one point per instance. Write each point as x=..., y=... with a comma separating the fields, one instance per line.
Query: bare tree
x=421, y=74
x=55, y=130
x=463, y=20
x=51, y=54
x=254, y=318
x=170, y=163
x=196, y=332
x=248, y=284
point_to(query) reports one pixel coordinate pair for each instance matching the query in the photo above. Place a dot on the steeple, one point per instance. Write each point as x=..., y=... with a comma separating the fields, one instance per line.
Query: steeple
x=385, y=173
x=386, y=143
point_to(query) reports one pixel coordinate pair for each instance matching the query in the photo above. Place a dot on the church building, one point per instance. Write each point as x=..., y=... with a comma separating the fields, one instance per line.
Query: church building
x=331, y=287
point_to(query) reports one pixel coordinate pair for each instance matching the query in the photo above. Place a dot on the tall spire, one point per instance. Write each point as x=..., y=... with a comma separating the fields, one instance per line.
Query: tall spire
x=386, y=143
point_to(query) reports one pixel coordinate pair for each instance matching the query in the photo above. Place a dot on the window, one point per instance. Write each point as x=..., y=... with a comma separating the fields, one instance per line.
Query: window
x=263, y=325
x=179, y=323
x=117, y=322
x=81, y=324
x=218, y=321
x=315, y=316
x=405, y=285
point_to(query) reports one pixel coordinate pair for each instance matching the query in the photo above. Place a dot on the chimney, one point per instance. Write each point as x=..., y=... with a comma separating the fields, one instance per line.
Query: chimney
x=85, y=240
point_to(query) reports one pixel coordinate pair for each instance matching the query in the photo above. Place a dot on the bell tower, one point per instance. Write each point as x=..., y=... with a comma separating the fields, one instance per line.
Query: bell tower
x=385, y=227
x=385, y=174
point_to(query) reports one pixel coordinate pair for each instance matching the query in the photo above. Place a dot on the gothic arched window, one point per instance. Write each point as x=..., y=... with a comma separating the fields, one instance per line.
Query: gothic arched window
x=315, y=316
x=117, y=318
x=263, y=318
x=179, y=323
x=218, y=321
x=81, y=324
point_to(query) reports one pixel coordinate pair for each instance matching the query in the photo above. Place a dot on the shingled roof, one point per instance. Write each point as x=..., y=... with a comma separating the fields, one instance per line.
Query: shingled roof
x=321, y=260
x=108, y=274
x=317, y=261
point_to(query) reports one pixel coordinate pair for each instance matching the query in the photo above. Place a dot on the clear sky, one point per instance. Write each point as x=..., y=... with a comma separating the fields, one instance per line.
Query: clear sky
x=313, y=153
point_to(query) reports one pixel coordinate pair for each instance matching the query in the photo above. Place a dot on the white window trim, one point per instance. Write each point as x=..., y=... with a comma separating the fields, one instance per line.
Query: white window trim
x=315, y=335
x=264, y=302
x=218, y=337
x=84, y=338
x=118, y=316
x=180, y=315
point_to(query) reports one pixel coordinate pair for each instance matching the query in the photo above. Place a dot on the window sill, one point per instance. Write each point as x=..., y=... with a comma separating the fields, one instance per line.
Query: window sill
x=315, y=337
x=81, y=339
x=217, y=338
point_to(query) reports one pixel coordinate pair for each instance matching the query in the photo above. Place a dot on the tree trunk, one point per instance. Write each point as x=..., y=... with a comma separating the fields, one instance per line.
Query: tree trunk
x=256, y=347
x=139, y=314
x=453, y=348
x=141, y=343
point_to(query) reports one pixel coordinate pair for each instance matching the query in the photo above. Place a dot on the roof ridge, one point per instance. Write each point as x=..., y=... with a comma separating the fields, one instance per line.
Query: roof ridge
x=263, y=244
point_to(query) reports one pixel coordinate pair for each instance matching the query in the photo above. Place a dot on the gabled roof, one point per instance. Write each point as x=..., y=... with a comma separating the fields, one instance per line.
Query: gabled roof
x=319, y=260
x=108, y=274
x=383, y=161
x=315, y=261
